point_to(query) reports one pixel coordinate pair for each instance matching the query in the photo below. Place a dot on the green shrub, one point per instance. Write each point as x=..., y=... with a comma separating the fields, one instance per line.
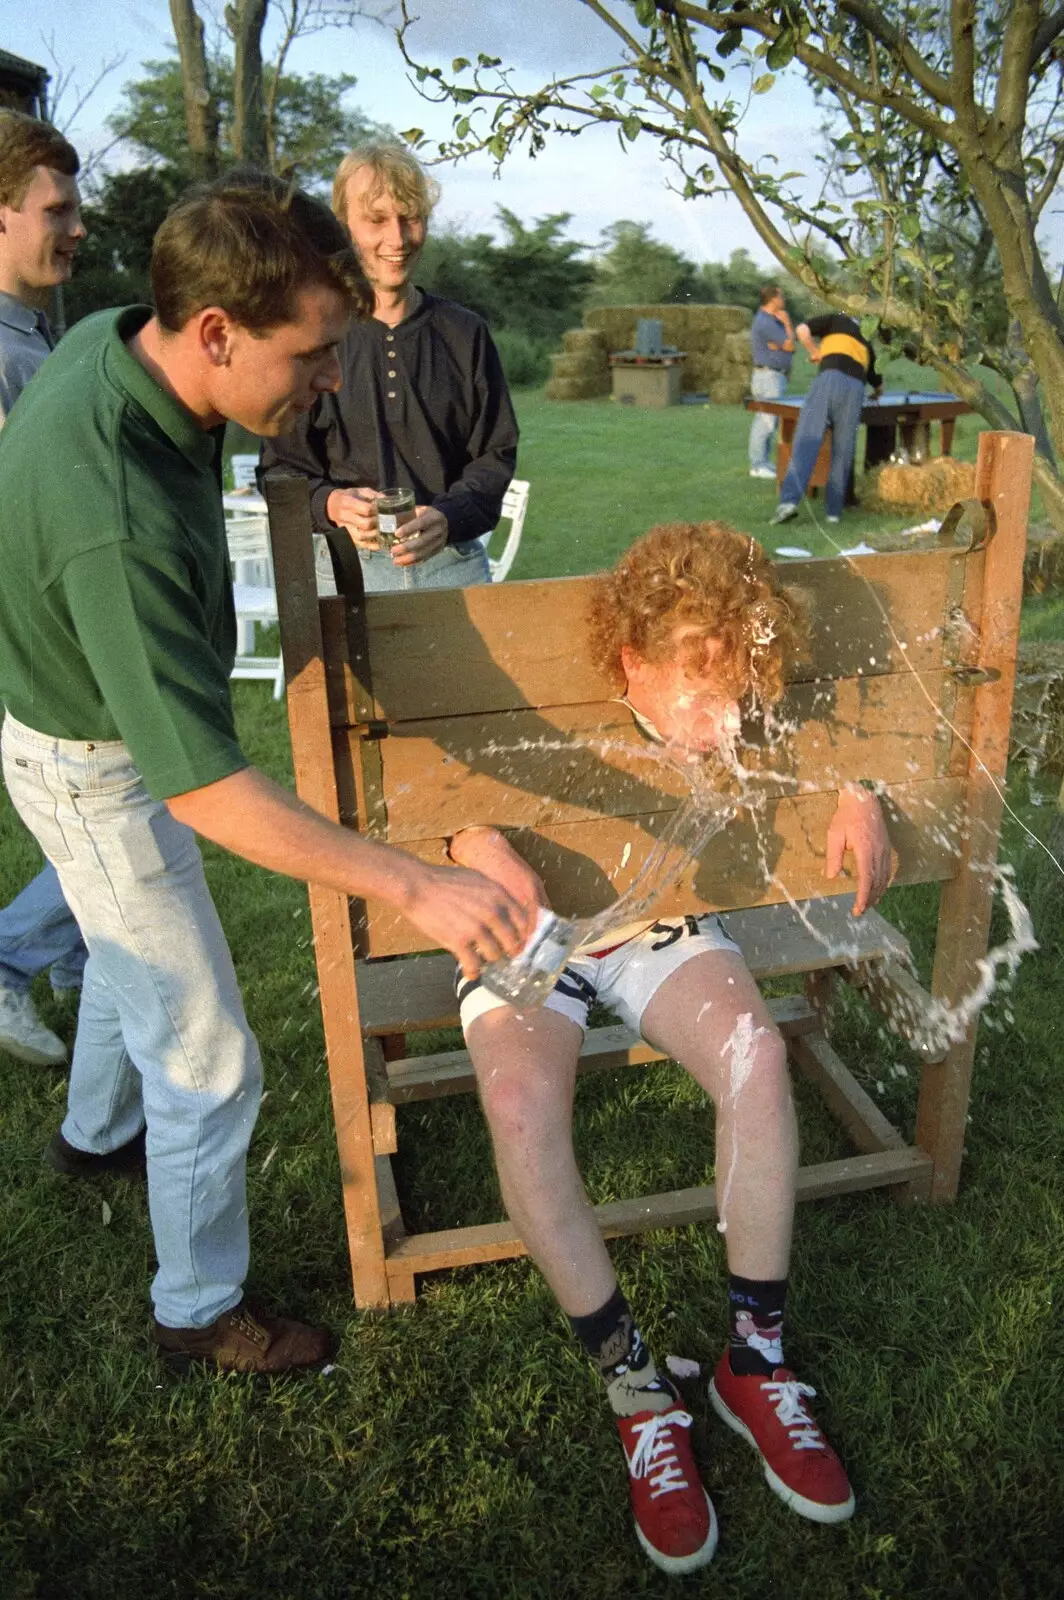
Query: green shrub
x=525, y=360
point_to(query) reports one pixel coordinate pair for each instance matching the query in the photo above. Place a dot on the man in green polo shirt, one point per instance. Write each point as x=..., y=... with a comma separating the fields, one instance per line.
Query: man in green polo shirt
x=117, y=636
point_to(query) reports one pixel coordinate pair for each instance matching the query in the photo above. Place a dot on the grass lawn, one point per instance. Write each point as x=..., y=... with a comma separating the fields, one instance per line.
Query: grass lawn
x=461, y=1447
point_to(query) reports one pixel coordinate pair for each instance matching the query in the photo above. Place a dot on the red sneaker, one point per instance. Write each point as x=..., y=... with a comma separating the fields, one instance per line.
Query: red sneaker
x=674, y=1517
x=800, y=1465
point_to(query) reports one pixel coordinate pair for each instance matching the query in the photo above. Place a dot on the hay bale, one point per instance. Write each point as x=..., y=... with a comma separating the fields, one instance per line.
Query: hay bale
x=1043, y=566
x=737, y=349
x=930, y=486
x=576, y=388
x=591, y=340
x=731, y=389
x=580, y=365
x=700, y=331
x=1038, y=706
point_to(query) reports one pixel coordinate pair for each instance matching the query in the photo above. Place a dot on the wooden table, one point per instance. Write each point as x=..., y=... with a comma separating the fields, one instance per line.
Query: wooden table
x=909, y=414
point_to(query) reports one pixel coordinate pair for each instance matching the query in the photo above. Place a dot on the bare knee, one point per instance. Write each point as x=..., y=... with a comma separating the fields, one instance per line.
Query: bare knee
x=755, y=1072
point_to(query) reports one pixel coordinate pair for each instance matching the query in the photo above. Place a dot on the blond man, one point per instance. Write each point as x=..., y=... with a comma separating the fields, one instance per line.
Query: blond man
x=424, y=404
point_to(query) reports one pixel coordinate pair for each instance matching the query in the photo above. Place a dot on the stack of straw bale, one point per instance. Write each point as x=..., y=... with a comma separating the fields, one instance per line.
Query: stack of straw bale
x=931, y=486
x=1038, y=706
x=582, y=371
x=716, y=341
x=1043, y=567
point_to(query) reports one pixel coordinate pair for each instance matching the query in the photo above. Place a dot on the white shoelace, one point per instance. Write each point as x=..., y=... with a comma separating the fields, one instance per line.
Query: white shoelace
x=787, y=1399
x=654, y=1456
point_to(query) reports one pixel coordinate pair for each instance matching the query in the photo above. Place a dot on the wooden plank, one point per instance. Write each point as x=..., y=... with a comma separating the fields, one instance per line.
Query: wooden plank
x=533, y=768
x=393, y=1232
x=311, y=735
x=588, y=865
x=854, y=1109
x=381, y=1106
x=450, y=1071
x=455, y=652
x=396, y=996
x=500, y=1241
x=1003, y=479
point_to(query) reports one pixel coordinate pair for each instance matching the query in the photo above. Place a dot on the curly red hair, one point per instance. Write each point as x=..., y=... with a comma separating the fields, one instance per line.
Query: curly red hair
x=709, y=576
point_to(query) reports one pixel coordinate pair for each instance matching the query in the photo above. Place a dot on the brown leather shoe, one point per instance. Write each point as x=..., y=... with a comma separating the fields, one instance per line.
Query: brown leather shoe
x=125, y=1162
x=245, y=1341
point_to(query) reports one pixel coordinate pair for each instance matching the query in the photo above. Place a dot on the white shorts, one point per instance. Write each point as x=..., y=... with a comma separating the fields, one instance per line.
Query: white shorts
x=625, y=979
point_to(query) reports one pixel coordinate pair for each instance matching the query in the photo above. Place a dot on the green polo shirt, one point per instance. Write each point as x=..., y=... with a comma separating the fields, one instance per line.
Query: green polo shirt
x=116, y=599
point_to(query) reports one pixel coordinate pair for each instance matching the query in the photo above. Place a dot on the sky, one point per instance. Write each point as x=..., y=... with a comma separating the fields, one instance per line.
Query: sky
x=590, y=176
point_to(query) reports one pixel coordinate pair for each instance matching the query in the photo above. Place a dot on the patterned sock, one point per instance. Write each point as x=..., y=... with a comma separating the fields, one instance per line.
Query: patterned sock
x=615, y=1345
x=756, y=1344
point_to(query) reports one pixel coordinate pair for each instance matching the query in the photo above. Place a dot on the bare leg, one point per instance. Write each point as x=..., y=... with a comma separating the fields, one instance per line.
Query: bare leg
x=526, y=1068
x=693, y=1018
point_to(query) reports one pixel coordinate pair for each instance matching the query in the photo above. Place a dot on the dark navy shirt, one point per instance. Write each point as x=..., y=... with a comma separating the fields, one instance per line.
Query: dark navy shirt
x=424, y=406
x=765, y=327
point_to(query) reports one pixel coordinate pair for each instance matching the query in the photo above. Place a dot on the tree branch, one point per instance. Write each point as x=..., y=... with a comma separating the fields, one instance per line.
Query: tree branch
x=874, y=22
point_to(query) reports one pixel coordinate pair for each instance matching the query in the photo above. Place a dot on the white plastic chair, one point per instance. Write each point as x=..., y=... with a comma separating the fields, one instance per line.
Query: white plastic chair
x=244, y=471
x=514, y=507
x=254, y=593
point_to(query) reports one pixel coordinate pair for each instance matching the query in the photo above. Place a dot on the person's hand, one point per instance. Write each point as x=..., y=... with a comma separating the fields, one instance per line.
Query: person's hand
x=422, y=537
x=814, y=355
x=356, y=510
x=486, y=850
x=461, y=911
x=858, y=826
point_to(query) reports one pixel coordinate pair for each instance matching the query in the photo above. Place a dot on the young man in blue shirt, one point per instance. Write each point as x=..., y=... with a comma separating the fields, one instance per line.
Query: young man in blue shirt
x=772, y=340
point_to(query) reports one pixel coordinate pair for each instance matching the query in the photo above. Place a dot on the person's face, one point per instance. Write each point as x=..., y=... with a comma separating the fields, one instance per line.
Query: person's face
x=39, y=239
x=266, y=381
x=388, y=239
x=684, y=700
x=776, y=304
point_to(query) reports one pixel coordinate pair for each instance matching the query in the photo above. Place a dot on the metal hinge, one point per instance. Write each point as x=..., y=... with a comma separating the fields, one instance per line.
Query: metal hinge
x=373, y=729
x=972, y=677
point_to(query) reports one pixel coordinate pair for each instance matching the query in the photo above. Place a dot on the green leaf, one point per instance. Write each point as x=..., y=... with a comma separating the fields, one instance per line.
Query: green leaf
x=786, y=177
x=869, y=326
x=781, y=51
x=459, y=64
x=413, y=136
x=463, y=96
x=729, y=42
x=763, y=84
x=715, y=72
x=461, y=127
x=599, y=92
x=645, y=13
x=488, y=61
x=631, y=127
x=910, y=227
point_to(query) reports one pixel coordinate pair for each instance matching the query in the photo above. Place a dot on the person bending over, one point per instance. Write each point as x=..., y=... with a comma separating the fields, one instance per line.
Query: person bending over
x=845, y=363
x=676, y=626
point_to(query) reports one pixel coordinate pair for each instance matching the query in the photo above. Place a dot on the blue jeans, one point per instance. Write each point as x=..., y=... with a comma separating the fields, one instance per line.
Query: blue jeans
x=456, y=566
x=834, y=401
x=162, y=1039
x=764, y=385
x=37, y=932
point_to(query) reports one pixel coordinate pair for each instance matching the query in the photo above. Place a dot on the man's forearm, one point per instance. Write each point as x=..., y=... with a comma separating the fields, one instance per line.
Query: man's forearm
x=256, y=818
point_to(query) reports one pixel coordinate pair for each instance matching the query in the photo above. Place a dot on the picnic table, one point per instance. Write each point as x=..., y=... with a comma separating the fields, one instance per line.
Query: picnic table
x=897, y=417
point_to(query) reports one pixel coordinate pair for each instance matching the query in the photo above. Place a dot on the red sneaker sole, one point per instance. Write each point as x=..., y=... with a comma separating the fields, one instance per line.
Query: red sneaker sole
x=814, y=1510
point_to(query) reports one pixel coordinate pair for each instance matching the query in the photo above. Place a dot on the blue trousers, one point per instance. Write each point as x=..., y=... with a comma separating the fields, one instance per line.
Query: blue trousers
x=37, y=931
x=834, y=401
x=162, y=1039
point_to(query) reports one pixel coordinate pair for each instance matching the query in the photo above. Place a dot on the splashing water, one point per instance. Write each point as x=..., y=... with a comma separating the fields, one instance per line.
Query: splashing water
x=741, y=1044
